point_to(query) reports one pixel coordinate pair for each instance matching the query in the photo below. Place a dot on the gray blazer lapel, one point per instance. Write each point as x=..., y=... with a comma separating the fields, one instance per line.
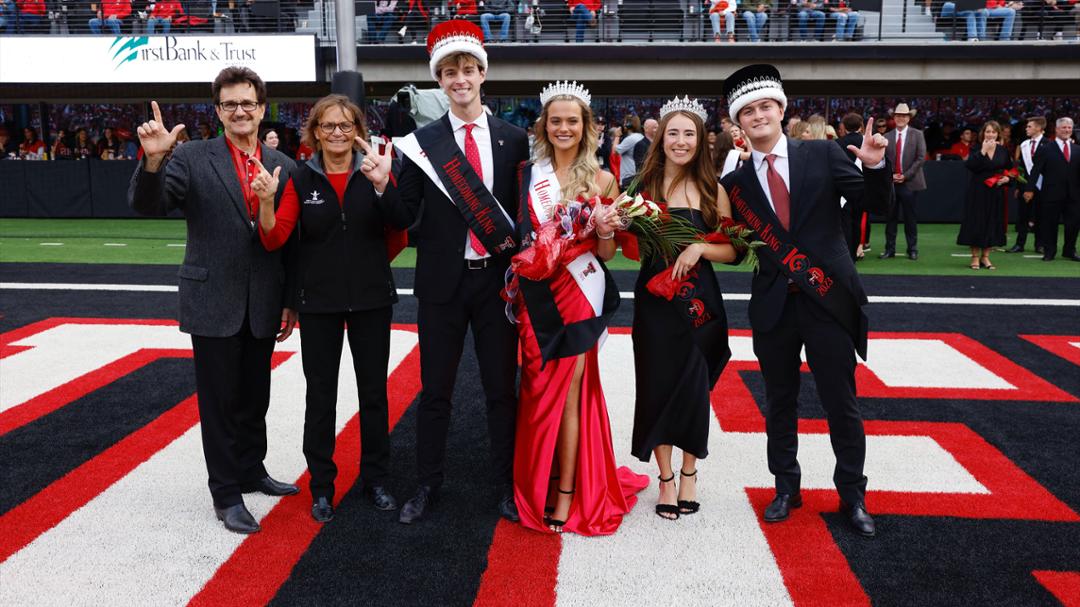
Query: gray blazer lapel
x=797, y=172
x=223, y=165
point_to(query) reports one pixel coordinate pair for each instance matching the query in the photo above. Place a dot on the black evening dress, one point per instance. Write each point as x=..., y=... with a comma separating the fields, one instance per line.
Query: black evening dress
x=983, y=224
x=680, y=349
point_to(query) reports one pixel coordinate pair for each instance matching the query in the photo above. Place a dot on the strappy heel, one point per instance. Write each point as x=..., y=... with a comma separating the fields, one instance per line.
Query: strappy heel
x=688, y=506
x=553, y=522
x=550, y=509
x=662, y=510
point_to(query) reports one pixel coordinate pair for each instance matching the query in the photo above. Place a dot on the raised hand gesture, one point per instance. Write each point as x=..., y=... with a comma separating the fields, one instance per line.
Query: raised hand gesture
x=375, y=166
x=156, y=140
x=873, y=146
x=265, y=184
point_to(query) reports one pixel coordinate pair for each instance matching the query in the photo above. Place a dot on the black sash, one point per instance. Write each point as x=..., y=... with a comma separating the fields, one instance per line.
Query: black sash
x=556, y=339
x=812, y=277
x=467, y=191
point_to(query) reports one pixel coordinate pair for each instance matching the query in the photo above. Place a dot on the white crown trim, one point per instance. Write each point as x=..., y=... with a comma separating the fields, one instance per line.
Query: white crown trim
x=686, y=104
x=557, y=89
x=754, y=84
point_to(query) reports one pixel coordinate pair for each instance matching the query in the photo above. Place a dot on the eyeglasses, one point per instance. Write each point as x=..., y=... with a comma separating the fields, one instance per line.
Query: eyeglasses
x=231, y=106
x=328, y=127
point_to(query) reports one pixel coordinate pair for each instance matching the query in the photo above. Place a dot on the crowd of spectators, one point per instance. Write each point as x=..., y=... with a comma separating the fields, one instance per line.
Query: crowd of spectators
x=401, y=21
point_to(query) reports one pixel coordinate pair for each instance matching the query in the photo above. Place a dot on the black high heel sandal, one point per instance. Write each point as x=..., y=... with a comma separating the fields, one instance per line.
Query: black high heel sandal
x=688, y=506
x=550, y=509
x=665, y=509
x=552, y=522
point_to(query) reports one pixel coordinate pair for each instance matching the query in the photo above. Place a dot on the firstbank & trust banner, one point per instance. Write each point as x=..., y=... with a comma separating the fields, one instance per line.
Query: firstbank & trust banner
x=162, y=58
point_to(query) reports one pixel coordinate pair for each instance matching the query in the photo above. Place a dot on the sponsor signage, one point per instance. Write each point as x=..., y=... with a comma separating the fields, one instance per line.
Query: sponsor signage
x=164, y=58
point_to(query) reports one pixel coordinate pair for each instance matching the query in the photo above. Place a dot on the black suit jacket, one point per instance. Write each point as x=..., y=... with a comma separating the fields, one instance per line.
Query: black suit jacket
x=437, y=224
x=1061, y=180
x=227, y=274
x=820, y=173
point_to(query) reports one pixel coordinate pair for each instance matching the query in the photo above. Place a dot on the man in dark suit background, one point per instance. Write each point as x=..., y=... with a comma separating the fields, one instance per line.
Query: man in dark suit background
x=856, y=222
x=458, y=277
x=641, y=148
x=806, y=292
x=1057, y=162
x=231, y=287
x=907, y=180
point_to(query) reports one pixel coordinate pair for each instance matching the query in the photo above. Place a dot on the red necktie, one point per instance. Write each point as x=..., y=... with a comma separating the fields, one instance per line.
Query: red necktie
x=899, y=152
x=1065, y=149
x=1033, y=149
x=778, y=190
x=472, y=154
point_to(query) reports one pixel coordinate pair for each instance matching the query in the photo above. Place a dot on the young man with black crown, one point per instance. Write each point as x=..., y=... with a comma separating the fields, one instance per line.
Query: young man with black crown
x=458, y=187
x=806, y=292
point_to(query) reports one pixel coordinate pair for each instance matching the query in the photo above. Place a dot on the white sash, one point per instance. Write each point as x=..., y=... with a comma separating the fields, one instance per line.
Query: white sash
x=409, y=146
x=544, y=194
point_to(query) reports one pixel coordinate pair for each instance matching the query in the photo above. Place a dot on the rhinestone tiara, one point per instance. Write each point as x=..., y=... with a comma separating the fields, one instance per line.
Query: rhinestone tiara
x=686, y=104
x=557, y=89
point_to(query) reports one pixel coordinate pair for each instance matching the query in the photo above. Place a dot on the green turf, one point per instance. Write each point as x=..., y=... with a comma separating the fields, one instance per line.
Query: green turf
x=148, y=240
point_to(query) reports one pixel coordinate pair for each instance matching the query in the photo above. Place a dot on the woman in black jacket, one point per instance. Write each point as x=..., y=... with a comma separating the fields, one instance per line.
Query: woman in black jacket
x=339, y=281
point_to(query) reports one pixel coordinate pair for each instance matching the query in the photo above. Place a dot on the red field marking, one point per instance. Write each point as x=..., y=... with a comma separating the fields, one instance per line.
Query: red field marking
x=1064, y=585
x=1058, y=344
x=65, y=394
x=261, y=564
x=523, y=568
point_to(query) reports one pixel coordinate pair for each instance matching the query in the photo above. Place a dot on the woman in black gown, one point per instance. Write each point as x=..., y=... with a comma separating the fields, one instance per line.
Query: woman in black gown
x=983, y=226
x=681, y=345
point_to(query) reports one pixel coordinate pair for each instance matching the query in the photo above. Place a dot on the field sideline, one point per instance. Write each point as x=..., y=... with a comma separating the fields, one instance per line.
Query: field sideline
x=161, y=241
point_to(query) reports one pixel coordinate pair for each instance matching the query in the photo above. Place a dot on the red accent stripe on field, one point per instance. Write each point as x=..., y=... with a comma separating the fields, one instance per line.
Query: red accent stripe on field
x=63, y=395
x=523, y=568
x=47, y=508
x=14, y=335
x=262, y=563
x=1064, y=585
x=1062, y=345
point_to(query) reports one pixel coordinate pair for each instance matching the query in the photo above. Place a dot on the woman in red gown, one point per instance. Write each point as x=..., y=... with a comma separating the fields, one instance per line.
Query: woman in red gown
x=565, y=477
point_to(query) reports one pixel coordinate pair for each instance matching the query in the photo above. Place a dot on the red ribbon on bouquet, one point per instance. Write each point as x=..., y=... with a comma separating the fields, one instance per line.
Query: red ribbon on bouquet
x=993, y=181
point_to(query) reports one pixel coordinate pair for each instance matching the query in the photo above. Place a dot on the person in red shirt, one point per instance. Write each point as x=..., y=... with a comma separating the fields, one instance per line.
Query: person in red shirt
x=111, y=13
x=337, y=207
x=161, y=15
x=962, y=148
x=32, y=16
x=32, y=147
x=584, y=13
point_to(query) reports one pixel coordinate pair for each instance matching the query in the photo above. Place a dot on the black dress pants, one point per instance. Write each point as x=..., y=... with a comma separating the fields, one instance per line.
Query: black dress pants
x=442, y=328
x=232, y=376
x=1027, y=220
x=1052, y=214
x=830, y=353
x=321, y=337
x=903, y=203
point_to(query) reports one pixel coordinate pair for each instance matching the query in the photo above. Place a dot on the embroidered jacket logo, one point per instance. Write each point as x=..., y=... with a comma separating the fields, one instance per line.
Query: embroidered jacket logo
x=315, y=198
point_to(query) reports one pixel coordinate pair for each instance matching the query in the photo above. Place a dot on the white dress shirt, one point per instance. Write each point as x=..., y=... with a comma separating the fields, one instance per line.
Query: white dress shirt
x=482, y=135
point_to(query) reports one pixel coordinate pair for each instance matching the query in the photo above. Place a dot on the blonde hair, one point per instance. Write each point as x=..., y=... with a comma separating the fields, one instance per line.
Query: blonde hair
x=800, y=127
x=816, y=124
x=582, y=172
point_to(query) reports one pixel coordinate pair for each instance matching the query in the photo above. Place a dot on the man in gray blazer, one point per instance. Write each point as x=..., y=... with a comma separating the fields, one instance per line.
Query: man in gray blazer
x=231, y=287
x=907, y=180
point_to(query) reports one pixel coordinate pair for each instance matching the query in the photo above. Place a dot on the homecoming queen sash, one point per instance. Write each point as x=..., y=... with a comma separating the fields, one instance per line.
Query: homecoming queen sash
x=436, y=152
x=541, y=192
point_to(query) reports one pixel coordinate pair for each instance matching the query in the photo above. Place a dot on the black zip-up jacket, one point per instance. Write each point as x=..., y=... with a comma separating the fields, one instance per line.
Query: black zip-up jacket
x=337, y=259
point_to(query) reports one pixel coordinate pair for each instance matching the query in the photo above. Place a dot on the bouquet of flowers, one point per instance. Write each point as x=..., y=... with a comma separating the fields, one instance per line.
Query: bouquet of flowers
x=1010, y=173
x=657, y=232
x=570, y=233
x=728, y=232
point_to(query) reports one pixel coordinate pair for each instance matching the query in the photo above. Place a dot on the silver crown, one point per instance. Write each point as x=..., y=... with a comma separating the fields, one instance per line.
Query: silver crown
x=686, y=104
x=754, y=84
x=558, y=89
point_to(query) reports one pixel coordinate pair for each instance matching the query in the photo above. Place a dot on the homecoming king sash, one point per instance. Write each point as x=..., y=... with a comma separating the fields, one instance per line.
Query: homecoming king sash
x=436, y=152
x=805, y=271
x=541, y=192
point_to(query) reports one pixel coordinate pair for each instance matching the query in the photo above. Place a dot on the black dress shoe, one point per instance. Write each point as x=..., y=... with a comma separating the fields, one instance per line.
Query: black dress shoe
x=1040, y=250
x=1015, y=249
x=887, y=255
x=322, y=510
x=1073, y=257
x=859, y=518
x=1048, y=258
x=913, y=255
x=380, y=497
x=237, y=519
x=508, y=509
x=269, y=486
x=415, y=508
x=780, y=507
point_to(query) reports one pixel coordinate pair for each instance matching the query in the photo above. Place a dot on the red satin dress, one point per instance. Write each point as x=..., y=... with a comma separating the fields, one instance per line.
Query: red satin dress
x=603, y=493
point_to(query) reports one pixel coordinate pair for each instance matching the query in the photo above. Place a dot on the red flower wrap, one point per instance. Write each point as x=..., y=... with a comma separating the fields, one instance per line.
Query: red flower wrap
x=992, y=181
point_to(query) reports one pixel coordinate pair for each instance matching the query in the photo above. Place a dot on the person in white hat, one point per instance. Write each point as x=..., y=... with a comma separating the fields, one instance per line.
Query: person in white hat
x=458, y=187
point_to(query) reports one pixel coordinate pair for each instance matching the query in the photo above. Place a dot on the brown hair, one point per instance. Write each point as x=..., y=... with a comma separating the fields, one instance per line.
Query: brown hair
x=457, y=60
x=724, y=144
x=238, y=75
x=307, y=135
x=1039, y=121
x=582, y=173
x=990, y=124
x=852, y=122
x=632, y=123
x=699, y=171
